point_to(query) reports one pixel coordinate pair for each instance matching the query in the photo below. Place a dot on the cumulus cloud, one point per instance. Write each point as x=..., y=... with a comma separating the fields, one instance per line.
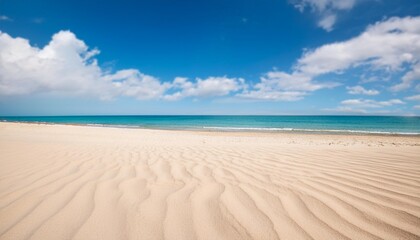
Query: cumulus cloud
x=132, y=83
x=392, y=45
x=361, y=90
x=209, y=87
x=326, y=10
x=67, y=66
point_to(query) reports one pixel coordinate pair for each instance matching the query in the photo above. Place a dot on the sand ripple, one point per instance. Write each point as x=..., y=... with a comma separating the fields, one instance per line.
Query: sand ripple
x=70, y=182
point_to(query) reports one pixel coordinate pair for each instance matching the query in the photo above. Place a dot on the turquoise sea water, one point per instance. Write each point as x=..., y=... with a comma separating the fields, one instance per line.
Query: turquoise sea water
x=314, y=124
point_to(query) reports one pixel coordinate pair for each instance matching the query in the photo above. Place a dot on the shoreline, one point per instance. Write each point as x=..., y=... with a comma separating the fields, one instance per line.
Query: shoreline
x=292, y=138
x=238, y=129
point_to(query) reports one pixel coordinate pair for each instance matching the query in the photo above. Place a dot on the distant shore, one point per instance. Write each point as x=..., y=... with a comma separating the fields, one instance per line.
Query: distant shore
x=84, y=182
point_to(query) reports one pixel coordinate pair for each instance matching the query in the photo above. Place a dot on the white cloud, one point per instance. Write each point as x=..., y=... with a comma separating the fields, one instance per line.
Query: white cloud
x=67, y=66
x=386, y=44
x=327, y=22
x=281, y=86
x=209, y=87
x=364, y=78
x=391, y=45
x=296, y=81
x=346, y=109
x=409, y=77
x=272, y=95
x=413, y=98
x=132, y=83
x=326, y=10
x=368, y=103
x=324, y=5
x=361, y=90
x=365, y=106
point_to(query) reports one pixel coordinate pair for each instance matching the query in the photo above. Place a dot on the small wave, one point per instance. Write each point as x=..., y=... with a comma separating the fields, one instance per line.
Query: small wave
x=110, y=125
x=309, y=130
x=95, y=125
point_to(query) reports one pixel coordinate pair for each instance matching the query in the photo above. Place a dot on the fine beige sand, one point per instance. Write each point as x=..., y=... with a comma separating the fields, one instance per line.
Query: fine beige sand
x=78, y=182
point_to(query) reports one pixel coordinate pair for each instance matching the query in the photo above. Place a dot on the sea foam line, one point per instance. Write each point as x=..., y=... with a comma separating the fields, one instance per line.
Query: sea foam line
x=308, y=130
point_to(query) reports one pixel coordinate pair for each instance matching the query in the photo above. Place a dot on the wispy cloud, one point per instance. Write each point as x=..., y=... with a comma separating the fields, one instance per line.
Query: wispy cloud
x=365, y=106
x=413, y=98
x=38, y=20
x=369, y=103
x=5, y=18
x=361, y=90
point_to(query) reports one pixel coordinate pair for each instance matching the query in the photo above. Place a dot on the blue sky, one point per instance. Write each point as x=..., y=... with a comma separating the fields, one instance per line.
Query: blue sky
x=210, y=57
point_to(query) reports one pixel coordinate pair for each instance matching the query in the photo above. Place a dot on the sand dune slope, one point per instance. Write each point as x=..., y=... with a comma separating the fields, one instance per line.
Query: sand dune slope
x=73, y=182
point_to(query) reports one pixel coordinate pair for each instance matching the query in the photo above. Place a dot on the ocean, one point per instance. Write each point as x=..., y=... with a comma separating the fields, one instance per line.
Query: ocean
x=309, y=124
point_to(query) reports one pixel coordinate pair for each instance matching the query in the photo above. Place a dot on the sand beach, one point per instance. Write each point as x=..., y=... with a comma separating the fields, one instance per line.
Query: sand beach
x=81, y=182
